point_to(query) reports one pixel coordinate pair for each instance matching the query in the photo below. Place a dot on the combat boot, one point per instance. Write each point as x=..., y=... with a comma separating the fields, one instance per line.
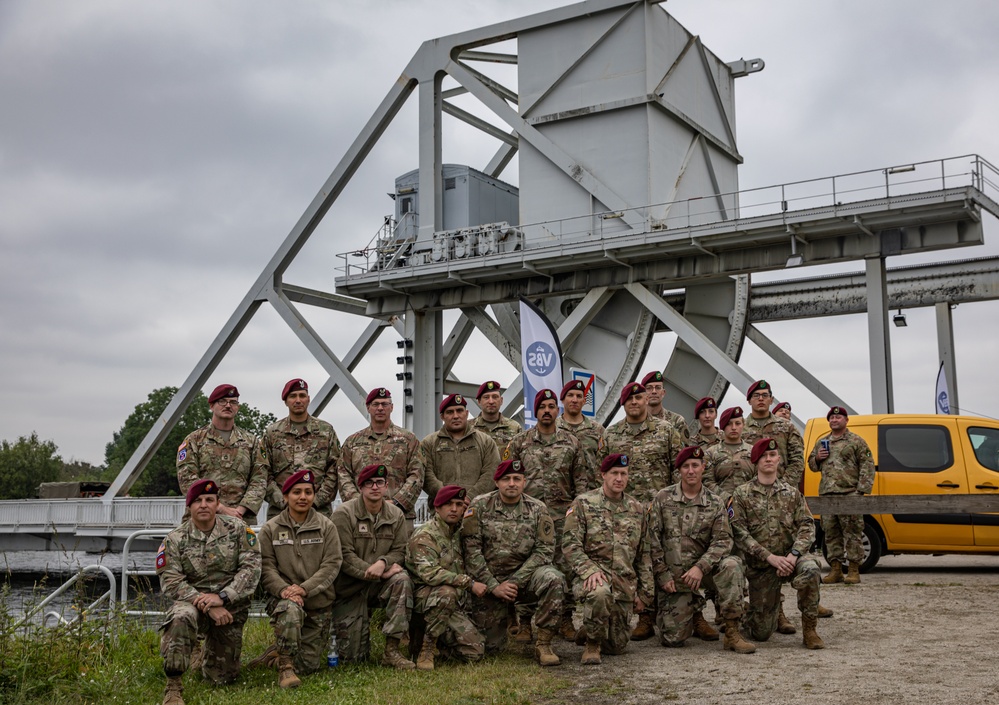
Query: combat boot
x=268, y=659
x=835, y=574
x=734, y=641
x=425, y=661
x=591, y=654
x=645, y=628
x=784, y=625
x=524, y=634
x=852, y=574
x=824, y=612
x=287, y=678
x=809, y=637
x=174, y=693
x=703, y=630
x=566, y=629
x=393, y=657
x=543, y=649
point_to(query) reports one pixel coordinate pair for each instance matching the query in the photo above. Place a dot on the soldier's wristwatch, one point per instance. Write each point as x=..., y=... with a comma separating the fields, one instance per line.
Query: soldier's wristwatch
x=224, y=597
x=796, y=553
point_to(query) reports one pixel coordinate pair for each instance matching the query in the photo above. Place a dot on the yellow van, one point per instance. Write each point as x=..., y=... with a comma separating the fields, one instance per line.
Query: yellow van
x=923, y=454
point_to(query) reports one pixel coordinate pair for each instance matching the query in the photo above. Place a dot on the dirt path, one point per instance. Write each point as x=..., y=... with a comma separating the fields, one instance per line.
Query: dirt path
x=919, y=629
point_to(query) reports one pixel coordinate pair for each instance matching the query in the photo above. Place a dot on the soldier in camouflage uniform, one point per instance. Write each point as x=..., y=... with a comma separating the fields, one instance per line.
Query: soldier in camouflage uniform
x=774, y=531
x=656, y=393
x=231, y=456
x=490, y=421
x=435, y=559
x=301, y=442
x=763, y=424
x=603, y=542
x=588, y=432
x=783, y=410
x=847, y=468
x=457, y=454
x=373, y=535
x=727, y=464
x=509, y=542
x=690, y=546
x=300, y=554
x=384, y=443
x=706, y=434
x=209, y=566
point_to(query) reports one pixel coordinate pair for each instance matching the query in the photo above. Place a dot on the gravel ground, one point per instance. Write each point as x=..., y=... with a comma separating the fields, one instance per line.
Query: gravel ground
x=918, y=629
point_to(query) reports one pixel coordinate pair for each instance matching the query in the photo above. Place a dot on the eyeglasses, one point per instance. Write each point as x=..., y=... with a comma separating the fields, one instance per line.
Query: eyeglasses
x=228, y=402
x=760, y=395
x=380, y=482
x=380, y=404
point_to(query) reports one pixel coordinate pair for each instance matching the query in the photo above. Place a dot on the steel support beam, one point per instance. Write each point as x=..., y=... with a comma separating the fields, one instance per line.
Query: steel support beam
x=360, y=347
x=501, y=340
x=879, y=341
x=424, y=328
x=945, y=344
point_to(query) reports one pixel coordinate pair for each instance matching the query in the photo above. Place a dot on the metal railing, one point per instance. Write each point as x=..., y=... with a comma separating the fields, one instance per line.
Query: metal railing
x=108, y=596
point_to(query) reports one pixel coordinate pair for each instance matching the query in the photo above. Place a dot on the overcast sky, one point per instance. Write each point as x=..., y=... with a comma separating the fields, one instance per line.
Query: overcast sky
x=154, y=155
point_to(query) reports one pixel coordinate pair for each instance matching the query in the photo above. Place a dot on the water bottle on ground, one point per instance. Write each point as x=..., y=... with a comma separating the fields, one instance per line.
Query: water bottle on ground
x=333, y=657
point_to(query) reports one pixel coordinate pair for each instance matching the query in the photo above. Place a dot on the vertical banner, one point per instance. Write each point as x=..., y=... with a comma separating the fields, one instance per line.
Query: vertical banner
x=942, y=401
x=541, y=356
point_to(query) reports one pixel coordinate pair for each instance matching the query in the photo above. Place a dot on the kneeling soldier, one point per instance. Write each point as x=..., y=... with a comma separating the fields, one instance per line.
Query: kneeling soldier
x=509, y=541
x=209, y=566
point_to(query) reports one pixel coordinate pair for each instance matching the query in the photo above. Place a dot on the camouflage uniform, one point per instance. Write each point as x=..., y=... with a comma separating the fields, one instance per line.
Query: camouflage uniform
x=501, y=430
x=590, y=435
x=651, y=447
x=513, y=543
x=190, y=563
x=307, y=555
x=435, y=560
x=468, y=462
x=683, y=533
x=789, y=443
x=365, y=539
x=679, y=423
x=773, y=520
x=849, y=469
x=239, y=466
x=605, y=535
x=291, y=447
x=399, y=451
x=726, y=467
x=707, y=441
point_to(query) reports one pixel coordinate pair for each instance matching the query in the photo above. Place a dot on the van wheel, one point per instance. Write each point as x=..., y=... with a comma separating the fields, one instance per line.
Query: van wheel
x=872, y=547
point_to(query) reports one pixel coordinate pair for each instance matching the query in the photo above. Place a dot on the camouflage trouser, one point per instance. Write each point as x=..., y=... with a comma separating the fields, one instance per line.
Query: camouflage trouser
x=765, y=597
x=223, y=645
x=675, y=616
x=605, y=619
x=351, y=615
x=526, y=608
x=443, y=612
x=844, y=534
x=545, y=589
x=300, y=633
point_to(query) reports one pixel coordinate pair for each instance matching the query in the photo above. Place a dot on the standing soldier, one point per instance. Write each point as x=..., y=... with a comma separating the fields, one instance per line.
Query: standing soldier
x=373, y=536
x=457, y=454
x=588, y=432
x=509, y=542
x=783, y=410
x=383, y=443
x=727, y=464
x=209, y=566
x=847, y=468
x=232, y=457
x=705, y=413
x=774, y=531
x=490, y=421
x=300, y=552
x=603, y=542
x=300, y=441
x=656, y=391
x=436, y=561
x=690, y=545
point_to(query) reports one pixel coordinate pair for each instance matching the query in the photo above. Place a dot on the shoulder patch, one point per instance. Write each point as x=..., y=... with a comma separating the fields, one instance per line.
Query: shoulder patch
x=506, y=453
x=570, y=510
x=161, y=557
x=729, y=509
x=251, y=537
x=469, y=512
x=182, y=446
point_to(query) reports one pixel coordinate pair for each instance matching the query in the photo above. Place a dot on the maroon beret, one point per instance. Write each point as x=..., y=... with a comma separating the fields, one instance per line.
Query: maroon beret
x=576, y=384
x=614, y=460
x=379, y=393
x=489, y=386
x=837, y=410
x=734, y=412
x=542, y=396
x=783, y=405
x=199, y=488
x=306, y=477
x=702, y=404
x=371, y=471
x=293, y=386
x=760, y=447
x=507, y=467
x=452, y=400
x=655, y=376
x=221, y=392
x=632, y=389
x=688, y=453
x=758, y=384
x=448, y=492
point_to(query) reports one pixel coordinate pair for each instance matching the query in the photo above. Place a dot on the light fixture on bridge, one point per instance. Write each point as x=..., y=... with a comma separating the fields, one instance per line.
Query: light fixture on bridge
x=899, y=320
x=796, y=259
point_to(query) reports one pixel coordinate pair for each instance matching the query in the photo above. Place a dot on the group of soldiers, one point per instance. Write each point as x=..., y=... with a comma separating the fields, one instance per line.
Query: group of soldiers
x=532, y=532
